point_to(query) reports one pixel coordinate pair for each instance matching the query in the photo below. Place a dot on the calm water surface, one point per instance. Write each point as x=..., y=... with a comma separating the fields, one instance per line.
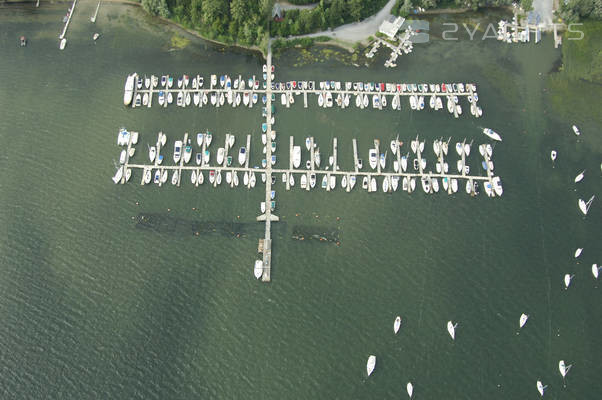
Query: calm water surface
x=93, y=306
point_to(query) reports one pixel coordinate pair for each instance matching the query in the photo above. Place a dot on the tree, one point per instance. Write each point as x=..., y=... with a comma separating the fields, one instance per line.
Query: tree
x=156, y=7
x=355, y=9
x=526, y=5
x=238, y=10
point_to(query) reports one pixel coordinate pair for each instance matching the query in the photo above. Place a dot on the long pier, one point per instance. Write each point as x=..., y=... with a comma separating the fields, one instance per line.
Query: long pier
x=71, y=11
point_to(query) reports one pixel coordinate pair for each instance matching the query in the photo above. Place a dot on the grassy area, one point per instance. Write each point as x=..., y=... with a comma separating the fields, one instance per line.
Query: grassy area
x=582, y=59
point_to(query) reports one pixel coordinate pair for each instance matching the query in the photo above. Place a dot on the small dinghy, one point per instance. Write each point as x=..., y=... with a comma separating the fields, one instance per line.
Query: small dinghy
x=567, y=281
x=410, y=389
x=370, y=364
x=595, y=270
x=553, y=155
x=578, y=252
x=397, y=324
x=523, y=320
x=541, y=388
x=579, y=177
x=451, y=329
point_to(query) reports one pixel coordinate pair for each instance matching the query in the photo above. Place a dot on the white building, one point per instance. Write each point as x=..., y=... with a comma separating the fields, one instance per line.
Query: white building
x=391, y=26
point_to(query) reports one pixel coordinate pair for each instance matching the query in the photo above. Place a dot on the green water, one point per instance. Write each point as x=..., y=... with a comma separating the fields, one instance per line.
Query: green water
x=92, y=306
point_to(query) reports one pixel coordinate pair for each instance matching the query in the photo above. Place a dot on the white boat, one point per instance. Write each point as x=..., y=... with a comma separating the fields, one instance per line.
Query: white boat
x=523, y=320
x=497, y=185
x=394, y=183
x=177, y=151
x=567, y=280
x=199, y=139
x=333, y=181
x=579, y=177
x=467, y=149
x=193, y=177
x=563, y=368
x=373, y=158
x=231, y=140
x=396, y=324
x=317, y=157
x=220, y=156
x=187, y=153
x=169, y=98
x=196, y=98
x=235, y=178
x=383, y=159
x=258, y=269
x=291, y=180
x=242, y=155
x=553, y=155
x=366, y=102
x=200, y=178
x=229, y=177
x=308, y=143
x=410, y=389
x=147, y=176
x=296, y=156
x=426, y=184
x=459, y=148
x=262, y=206
x=451, y=329
x=435, y=184
x=578, y=252
x=404, y=162
x=164, y=176
x=303, y=181
x=208, y=138
x=174, y=177
x=541, y=388
x=118, y=175
x=320, y=100
x=63, y=43
x=385, y=184
x=576, y=130
x=595, y=270
x=373, y=185
x=493, y=135
x=252, y=180
x=344, y=182
x=129, y=89
x=312, y=180
x=218, y=178
x=454, y=185
x=152, y=153
x=370, y=364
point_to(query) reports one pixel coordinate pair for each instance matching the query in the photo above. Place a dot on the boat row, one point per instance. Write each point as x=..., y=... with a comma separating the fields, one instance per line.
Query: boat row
x=198, y=98
x=215, y=177
x=383, y=87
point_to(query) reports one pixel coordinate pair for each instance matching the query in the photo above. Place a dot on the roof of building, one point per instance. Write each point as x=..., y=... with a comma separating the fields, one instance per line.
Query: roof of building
x=391, y=26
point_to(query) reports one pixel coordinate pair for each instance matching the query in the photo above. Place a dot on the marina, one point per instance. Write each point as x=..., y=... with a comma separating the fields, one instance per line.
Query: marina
x=140, y=90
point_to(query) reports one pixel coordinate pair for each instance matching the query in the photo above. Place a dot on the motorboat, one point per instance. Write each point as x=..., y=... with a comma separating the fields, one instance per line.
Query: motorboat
x=199, y=139
x=218, y=178
x=386, y=185
x=220, y=156
x=584, y=206
x=553, y=155
x=595, y=270
x=454, y=185
x=118, y=175
x=396, y=324
x=161, y=97
x=410, y=389
x=344, y=182
x=576, y=130
x=308, y=143
x=404, y=162
x=187, y=153
x=373, y=185
x=291, y=180
x=567, y=280
x=303, y=181
x=451, y=329
x=157, y=178
x=198, y=158
x=175, y=177
x=333, y=182
x=317, y=157
x=493, y=135
x=258, y=269
x=383, y=159
x=497, y=185
x=152, y=153
x=373, y=158
x=394, y=183
x=324, y=181
x=579, y=177
x=296, y=156
x=129, y=89
x=242, y=155
x=435, y=184
x=147, y=176
x=177, y=151
x=208, y=138
x=262, y=206
x=193, y=177
x=312, y=180
x=370, y=364
x=523, y=320
x=252, y=180
x=426, y=184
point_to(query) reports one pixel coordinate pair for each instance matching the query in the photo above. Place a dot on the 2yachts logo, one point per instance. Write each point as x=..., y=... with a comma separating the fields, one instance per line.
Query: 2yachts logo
x=490, y=31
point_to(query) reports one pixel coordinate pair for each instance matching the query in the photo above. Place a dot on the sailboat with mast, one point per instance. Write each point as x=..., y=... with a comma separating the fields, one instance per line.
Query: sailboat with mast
x=584, y=206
